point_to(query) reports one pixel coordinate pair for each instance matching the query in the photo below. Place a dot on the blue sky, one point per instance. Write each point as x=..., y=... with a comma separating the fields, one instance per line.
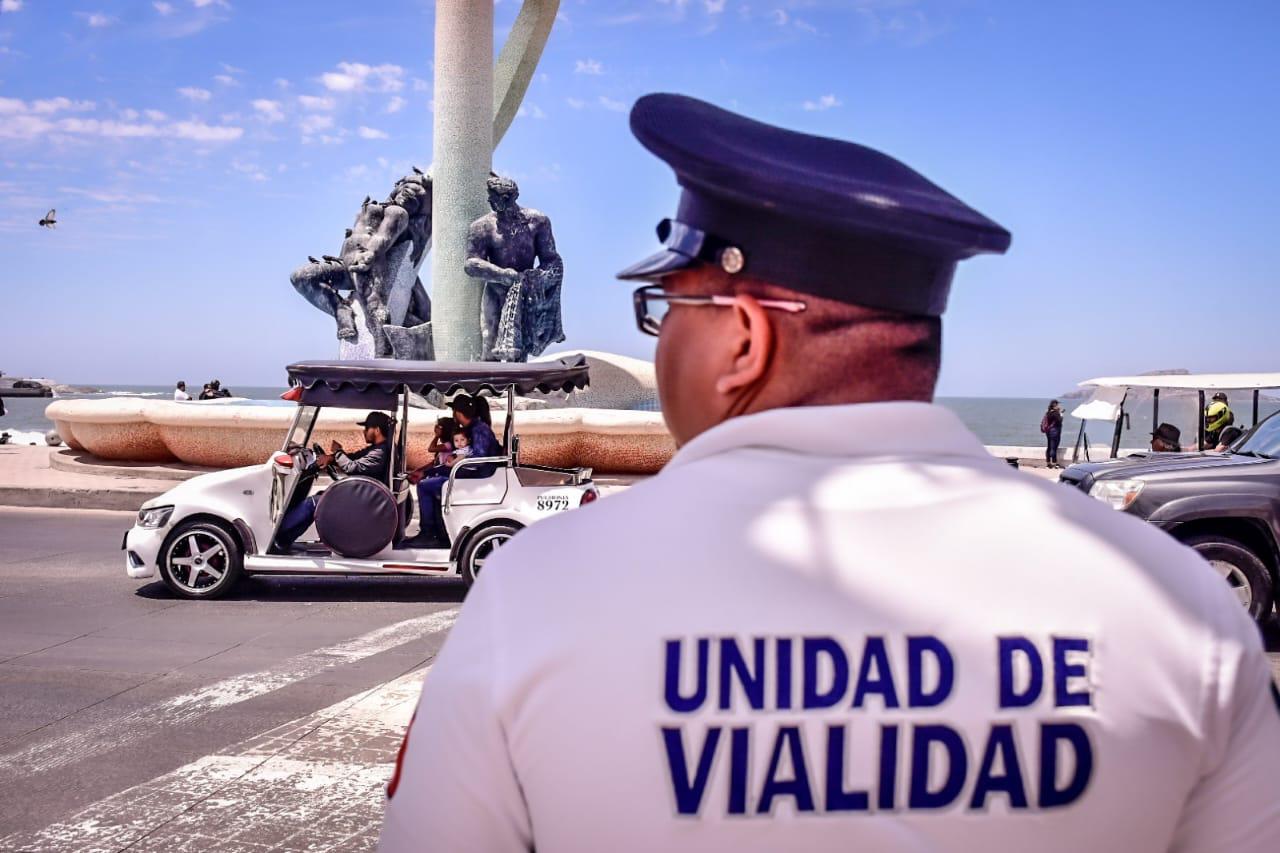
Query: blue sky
x=198, y=150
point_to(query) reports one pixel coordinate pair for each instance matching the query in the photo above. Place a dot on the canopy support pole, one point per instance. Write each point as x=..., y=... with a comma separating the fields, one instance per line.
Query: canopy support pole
x=1200, y=423
x=1155, y=408
x=511, y=417
x=1075, y=451
x=1255, y=406
x=1115, y=437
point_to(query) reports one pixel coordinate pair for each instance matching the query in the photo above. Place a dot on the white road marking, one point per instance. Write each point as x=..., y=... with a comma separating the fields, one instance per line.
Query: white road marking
x=182, y=710
x=314, y=783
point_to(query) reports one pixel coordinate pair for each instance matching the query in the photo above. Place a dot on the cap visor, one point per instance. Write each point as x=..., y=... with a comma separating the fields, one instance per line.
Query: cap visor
x=657, y=265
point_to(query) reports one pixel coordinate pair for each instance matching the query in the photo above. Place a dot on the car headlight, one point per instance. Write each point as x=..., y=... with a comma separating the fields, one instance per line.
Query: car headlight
x=157, y=516
x=1120, y=494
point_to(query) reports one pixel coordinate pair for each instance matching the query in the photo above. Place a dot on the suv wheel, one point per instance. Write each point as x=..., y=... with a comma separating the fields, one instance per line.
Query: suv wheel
x=201, y=560
x=1243, y=571
x=481, y=545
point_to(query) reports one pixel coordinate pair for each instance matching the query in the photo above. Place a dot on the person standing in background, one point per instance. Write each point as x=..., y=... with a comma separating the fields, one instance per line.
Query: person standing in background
x=180, y=394
x=1051, y=426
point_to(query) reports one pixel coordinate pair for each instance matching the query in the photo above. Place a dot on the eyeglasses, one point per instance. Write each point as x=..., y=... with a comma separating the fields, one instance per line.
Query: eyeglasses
x=652, y=302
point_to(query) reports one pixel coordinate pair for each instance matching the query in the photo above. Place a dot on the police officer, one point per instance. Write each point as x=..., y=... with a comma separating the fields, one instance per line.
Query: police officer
x=1217, y=416
x=810, y=632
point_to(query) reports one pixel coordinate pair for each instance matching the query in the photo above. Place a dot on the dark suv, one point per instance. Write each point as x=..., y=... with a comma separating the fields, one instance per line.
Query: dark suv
x=1225, y=505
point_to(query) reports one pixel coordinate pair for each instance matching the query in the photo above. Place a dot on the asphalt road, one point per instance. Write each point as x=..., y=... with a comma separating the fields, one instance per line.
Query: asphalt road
x=109, y=684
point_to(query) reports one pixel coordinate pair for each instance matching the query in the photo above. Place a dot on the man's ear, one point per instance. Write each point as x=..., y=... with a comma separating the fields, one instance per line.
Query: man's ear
x=753, y=339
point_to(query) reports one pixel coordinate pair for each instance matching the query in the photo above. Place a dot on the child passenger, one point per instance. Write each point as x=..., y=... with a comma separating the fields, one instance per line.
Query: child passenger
x=461, y=446
x=441, y=445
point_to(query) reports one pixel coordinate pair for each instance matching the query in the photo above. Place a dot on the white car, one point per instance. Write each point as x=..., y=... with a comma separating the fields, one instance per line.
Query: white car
x=202, y=535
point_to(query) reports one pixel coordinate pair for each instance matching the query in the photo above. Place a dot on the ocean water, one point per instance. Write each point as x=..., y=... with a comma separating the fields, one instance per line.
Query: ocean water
x=1010, y=421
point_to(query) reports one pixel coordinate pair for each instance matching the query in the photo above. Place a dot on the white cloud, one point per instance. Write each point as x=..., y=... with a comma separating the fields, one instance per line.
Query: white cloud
x=201, y=132
x=588, y=66
x=825, y=102
x=251, y=170
x=805, y=26
x=200, y=4
x=315, y=123
x=112, y=196
x=230, y=69
x=371, y=133
x=97, y=20
x=10, y=5
x=714, y=7
x=358, y=77
x=282, y=83
x=530, y=111
x=195, y=93
x=30, y=120
x=780, y=17
x=163, y=8
x=610, y=104
x=45, y=106
x=226, y=79
x=315, y=102
x=420, y=85
x=268, y=110
x=396, y=104
x=575, y=103
x=130, y=115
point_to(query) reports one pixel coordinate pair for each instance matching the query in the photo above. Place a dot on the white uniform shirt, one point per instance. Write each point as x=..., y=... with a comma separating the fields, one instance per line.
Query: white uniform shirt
x=882, y=638
x=180, y=396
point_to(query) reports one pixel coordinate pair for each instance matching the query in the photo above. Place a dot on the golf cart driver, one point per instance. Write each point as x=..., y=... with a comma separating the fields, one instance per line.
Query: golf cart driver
x=373, y=461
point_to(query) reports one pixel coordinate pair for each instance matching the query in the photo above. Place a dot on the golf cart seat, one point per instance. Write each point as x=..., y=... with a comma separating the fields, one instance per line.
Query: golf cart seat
x=357, y=517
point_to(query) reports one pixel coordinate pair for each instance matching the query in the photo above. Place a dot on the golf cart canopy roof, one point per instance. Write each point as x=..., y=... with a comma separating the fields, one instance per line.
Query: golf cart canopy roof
x=376, y=384
x=1109, y=392
x=1190, y=381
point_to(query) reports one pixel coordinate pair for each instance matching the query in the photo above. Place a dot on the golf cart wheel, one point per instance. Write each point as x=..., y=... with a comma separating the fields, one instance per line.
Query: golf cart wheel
x=201, y=560
x=480, y=547
x=1243, y=571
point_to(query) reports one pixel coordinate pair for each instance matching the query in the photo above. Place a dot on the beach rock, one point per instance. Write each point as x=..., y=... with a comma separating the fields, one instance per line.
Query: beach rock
x=617, y=382
x=52, y=438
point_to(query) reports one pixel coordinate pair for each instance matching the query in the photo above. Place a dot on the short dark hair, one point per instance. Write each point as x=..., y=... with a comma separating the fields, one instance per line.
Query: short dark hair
x=460, y=431
x=448, y=426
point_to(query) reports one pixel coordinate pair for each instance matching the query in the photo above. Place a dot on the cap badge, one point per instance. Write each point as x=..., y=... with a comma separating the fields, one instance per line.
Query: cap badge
x=731, y=260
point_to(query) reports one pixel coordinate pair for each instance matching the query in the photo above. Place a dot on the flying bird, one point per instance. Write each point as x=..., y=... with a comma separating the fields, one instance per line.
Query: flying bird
x=49, y=221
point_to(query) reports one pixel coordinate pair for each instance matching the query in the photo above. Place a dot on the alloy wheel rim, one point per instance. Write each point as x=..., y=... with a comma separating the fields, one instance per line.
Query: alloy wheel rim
x=484, y=550
x=202, y=564
x=1237, y=580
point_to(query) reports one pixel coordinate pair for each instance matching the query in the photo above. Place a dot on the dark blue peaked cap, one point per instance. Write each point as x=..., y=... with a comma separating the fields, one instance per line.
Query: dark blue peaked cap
x=812, y=214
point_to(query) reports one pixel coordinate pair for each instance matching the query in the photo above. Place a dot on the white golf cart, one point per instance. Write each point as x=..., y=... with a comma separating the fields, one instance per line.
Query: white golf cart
x=205, y=533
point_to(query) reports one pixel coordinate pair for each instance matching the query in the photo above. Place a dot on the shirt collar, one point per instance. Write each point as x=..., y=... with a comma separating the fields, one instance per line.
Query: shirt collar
x=919, y=430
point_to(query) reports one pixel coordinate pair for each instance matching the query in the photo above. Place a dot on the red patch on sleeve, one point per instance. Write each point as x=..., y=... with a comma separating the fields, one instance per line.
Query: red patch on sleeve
x=404, y=745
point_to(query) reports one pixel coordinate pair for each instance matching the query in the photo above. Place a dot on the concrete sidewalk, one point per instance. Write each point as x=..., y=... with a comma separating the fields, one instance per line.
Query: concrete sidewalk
x=66, y=479
x=27, y=478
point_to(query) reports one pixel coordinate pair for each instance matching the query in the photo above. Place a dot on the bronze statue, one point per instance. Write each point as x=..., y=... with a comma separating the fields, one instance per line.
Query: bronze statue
x=520, y=307
x=386, y=310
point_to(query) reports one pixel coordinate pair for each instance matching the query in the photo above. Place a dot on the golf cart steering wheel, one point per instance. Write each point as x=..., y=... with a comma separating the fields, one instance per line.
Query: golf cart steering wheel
x=331, y=469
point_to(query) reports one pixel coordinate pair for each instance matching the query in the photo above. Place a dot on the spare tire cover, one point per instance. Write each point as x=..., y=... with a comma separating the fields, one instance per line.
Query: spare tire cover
x=356, y=517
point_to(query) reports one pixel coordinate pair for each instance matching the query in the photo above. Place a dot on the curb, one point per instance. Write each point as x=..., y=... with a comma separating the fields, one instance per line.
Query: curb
x=80, y=462
x=36, y=496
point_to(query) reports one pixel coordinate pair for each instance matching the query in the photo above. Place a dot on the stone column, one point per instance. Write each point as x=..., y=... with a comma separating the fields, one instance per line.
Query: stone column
x=462, y=145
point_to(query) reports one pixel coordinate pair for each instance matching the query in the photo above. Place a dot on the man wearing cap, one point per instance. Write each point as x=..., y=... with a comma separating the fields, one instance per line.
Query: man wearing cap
x=1166, y=438
x=882, y=639
x=371, y=461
